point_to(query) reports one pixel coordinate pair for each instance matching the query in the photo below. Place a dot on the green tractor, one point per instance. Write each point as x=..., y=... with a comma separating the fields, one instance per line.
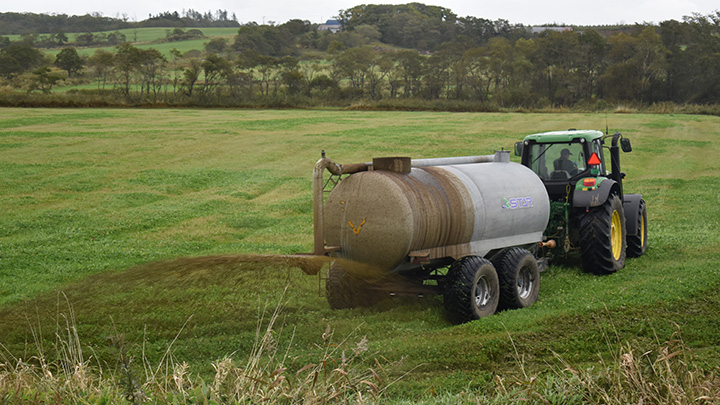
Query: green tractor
x=589, y=211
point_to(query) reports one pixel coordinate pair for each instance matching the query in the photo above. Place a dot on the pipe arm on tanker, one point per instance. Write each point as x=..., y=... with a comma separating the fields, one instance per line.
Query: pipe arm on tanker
x=446, y=161
x=335, y=169
x=318, y=203
x=460, y=160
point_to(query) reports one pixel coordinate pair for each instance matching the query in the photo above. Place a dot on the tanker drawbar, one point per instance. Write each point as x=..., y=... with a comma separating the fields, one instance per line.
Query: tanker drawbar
x=466, y=227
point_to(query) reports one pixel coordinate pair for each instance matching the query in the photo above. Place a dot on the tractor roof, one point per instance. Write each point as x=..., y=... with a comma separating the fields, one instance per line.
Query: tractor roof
x=564, y=136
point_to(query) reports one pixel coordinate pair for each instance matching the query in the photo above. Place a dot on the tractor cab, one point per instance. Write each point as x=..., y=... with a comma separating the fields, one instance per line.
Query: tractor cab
x=588, y=210
x=562, y=158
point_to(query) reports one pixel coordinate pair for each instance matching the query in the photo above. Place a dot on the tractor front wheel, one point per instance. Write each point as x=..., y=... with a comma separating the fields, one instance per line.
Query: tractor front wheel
x=637, y=244
x=602, y=237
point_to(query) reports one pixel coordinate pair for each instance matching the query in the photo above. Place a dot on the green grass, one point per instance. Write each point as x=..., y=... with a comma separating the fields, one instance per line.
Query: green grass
x=91, y=196
x=163, y=47
x=145, y=38
x=140, y=35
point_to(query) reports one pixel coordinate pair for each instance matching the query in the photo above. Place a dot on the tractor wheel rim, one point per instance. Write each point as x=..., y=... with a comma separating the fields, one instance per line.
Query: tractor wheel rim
x=643, y=238
x=616, y=235
x=482, y=292
x=525, y=283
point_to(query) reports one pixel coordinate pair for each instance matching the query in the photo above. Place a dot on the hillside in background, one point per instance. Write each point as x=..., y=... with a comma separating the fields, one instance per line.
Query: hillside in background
x=407, y=56
x=388, y=19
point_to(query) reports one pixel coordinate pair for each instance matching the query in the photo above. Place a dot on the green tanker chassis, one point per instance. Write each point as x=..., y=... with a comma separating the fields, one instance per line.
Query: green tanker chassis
x=589, y=211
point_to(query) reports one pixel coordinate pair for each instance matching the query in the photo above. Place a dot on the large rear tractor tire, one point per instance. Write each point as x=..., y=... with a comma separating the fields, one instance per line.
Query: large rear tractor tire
x=637, y=244
x=472, y=289
x=519, y=278
x=602, y=238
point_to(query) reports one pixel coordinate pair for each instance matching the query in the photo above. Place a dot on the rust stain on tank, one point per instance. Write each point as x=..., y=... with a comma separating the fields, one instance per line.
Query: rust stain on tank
x=384, y=215
x=441, y=205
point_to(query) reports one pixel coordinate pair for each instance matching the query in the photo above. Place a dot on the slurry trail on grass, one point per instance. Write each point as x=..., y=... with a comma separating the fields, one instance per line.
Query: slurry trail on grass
x=173, y=228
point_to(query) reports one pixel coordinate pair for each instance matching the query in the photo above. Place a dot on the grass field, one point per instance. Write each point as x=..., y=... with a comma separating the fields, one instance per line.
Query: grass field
x=164, y=47
x=141, y=35
x=94, y=198
x=145, y=38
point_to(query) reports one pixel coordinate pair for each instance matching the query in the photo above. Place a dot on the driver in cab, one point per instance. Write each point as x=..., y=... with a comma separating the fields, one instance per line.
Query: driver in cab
x=565, y=164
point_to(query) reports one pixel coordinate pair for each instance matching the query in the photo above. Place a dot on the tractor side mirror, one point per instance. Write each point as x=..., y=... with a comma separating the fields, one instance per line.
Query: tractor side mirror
x=518, y=148
x=625, y=145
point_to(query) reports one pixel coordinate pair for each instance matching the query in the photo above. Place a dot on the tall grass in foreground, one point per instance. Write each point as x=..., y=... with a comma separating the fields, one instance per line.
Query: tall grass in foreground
x=343, y=372
x=665, y=374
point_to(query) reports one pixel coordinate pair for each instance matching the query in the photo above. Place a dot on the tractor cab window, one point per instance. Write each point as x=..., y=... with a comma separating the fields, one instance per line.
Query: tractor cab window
x=557, y=161
x=597, y=148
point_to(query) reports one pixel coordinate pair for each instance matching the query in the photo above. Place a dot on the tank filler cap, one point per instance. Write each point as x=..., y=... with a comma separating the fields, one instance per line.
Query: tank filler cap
x=502, y=156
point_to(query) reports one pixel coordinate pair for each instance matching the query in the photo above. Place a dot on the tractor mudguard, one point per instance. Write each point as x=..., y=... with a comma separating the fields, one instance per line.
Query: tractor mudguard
x=631, y=206
x=594, y=198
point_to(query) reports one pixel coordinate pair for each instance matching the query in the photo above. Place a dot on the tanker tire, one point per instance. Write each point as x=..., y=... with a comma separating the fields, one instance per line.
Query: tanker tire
x=602, y=238
x=472, y=289
x=519, y=278
x=637, y=244
x=338, y=288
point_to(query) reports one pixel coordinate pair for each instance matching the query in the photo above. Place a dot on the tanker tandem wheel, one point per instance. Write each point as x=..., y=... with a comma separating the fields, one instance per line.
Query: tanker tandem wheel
x=472, y=289
x=519, y=279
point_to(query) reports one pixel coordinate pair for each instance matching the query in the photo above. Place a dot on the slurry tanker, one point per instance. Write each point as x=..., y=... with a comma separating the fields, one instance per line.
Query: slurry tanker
x=477, y=229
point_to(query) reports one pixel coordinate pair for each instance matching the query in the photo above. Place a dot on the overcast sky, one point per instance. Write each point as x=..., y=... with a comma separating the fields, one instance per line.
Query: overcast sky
x=528, y=12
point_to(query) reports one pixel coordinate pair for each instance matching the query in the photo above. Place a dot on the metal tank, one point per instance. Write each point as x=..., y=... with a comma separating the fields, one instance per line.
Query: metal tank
x=397, y=212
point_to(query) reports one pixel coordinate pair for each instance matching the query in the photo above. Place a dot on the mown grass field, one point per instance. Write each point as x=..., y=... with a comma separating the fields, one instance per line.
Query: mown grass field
x=145, y=38
x=164, y=48
x=92, y=199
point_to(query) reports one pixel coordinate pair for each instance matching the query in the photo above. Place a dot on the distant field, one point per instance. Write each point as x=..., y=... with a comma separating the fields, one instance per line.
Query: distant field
x=164, y=47
x=143, y=38
x=88, y=194
x=139, y=35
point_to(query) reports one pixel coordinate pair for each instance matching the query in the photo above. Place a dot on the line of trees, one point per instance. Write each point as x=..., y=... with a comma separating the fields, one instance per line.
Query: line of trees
x=85, y=39
x=672, y=62
x=33, y=23
x=422, y=27
x=191, y=18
